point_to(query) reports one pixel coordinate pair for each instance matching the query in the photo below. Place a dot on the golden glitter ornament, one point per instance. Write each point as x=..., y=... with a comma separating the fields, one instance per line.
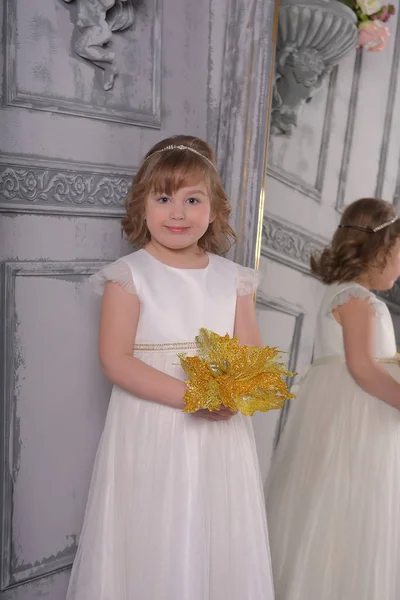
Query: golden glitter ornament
x=241, y=378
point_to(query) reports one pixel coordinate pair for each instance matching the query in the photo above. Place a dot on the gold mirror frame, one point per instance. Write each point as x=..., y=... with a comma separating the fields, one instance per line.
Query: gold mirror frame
x=244, y=111
x=261, y=203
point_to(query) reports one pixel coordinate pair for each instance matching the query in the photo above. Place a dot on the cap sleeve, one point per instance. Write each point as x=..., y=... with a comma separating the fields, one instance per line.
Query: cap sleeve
x=353, y=291
x=117, y=272
x=248, y=280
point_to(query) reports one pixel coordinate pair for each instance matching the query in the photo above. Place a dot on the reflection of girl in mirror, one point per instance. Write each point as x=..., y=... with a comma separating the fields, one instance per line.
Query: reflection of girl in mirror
x=333, y=499
x=176, y=508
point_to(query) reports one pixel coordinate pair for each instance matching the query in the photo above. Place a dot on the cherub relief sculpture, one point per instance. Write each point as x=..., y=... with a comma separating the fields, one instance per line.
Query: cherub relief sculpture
x=96, y=22
x=299, y=75
x=313, y=36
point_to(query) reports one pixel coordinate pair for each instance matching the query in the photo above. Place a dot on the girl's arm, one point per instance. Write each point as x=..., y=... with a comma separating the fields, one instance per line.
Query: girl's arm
x=246, y=328
x=357, y=318
x=118, y=324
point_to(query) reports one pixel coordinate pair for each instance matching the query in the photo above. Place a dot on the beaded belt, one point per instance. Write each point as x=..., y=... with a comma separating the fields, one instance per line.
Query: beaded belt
x=177, y=346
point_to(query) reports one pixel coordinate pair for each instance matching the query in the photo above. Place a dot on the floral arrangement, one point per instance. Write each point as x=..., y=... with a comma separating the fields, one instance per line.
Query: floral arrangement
x=372, y=17
x=241, y=378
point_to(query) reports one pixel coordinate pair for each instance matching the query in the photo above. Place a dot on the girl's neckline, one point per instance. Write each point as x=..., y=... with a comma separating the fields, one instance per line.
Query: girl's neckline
x=355, y=283
x=177, y=268
x=359, y=285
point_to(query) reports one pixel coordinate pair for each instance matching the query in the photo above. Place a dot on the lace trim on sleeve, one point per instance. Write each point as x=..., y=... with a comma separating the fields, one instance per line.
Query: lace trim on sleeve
x=117, y=272
x=351, y=292
x=248, y=280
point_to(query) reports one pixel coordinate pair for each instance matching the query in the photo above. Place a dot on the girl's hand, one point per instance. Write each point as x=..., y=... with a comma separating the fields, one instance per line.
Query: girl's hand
x=223, y=414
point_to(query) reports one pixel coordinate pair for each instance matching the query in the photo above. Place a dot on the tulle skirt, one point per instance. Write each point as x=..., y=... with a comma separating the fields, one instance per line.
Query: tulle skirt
x=333, y=496
x=176, y=508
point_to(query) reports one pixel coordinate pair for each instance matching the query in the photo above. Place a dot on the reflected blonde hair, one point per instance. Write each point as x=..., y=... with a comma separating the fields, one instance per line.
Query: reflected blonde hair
x=168, y=171
x=352, y=252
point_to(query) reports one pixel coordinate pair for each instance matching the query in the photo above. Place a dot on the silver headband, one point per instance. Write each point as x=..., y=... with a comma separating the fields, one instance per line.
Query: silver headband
x=370, y=229
x=181, y=147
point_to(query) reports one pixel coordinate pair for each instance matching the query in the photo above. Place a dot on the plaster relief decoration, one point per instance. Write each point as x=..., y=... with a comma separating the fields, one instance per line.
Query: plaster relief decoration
x=92, y=58
x=96, y=22
x=313, y=35
x=37, y=185
x=291, y=246
x=286, y=244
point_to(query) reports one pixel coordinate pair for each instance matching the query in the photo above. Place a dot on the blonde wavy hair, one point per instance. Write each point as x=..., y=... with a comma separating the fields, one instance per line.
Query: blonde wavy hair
x=168, y=171
x=354, y=251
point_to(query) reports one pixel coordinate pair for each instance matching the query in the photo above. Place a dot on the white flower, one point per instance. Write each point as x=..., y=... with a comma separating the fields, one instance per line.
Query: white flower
x=369, y=7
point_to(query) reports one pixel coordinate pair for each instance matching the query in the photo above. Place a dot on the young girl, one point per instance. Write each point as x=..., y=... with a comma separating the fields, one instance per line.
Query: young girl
x=333, y=499
x=175, y=509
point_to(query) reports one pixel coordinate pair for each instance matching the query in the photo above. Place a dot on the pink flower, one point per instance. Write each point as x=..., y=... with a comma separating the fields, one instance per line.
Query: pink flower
x=373, y=36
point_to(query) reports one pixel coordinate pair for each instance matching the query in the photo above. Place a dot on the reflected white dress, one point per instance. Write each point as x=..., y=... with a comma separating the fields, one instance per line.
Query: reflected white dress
x=176, y=508
x=333, y=498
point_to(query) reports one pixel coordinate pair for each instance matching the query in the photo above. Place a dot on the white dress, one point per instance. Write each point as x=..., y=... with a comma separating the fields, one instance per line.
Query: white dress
x=333, y=499
x=176, y=508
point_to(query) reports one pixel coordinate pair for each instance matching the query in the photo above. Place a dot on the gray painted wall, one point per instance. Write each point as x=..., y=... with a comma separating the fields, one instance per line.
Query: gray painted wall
x=68, y=149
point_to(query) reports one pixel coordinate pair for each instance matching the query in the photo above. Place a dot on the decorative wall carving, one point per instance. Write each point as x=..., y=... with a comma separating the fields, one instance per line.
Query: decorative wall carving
x=285, y=244
x=40, y=75
x=61, y=188
x=313, y=36
x=96, y=22
x=290, y=246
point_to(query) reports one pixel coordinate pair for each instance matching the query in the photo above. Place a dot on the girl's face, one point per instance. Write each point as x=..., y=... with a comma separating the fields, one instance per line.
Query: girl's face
x=385, y=280
x=180, y=220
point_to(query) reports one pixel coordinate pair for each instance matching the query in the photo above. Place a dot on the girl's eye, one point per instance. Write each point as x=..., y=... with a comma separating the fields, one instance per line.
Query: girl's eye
x=163, y=200
x=192, y=201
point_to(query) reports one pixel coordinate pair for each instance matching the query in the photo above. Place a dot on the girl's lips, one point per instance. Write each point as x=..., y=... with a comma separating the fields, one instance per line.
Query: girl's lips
x=177, y=229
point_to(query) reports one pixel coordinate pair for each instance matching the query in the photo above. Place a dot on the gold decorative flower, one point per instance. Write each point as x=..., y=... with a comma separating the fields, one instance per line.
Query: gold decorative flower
x=241, y=378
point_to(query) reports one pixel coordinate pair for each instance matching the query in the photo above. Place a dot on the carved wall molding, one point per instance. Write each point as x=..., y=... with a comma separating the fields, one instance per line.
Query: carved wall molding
x=10, y=574
x=292, y=247
x=296, y=182
x=13, y=96
x=285, y=244
x=57, y=187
